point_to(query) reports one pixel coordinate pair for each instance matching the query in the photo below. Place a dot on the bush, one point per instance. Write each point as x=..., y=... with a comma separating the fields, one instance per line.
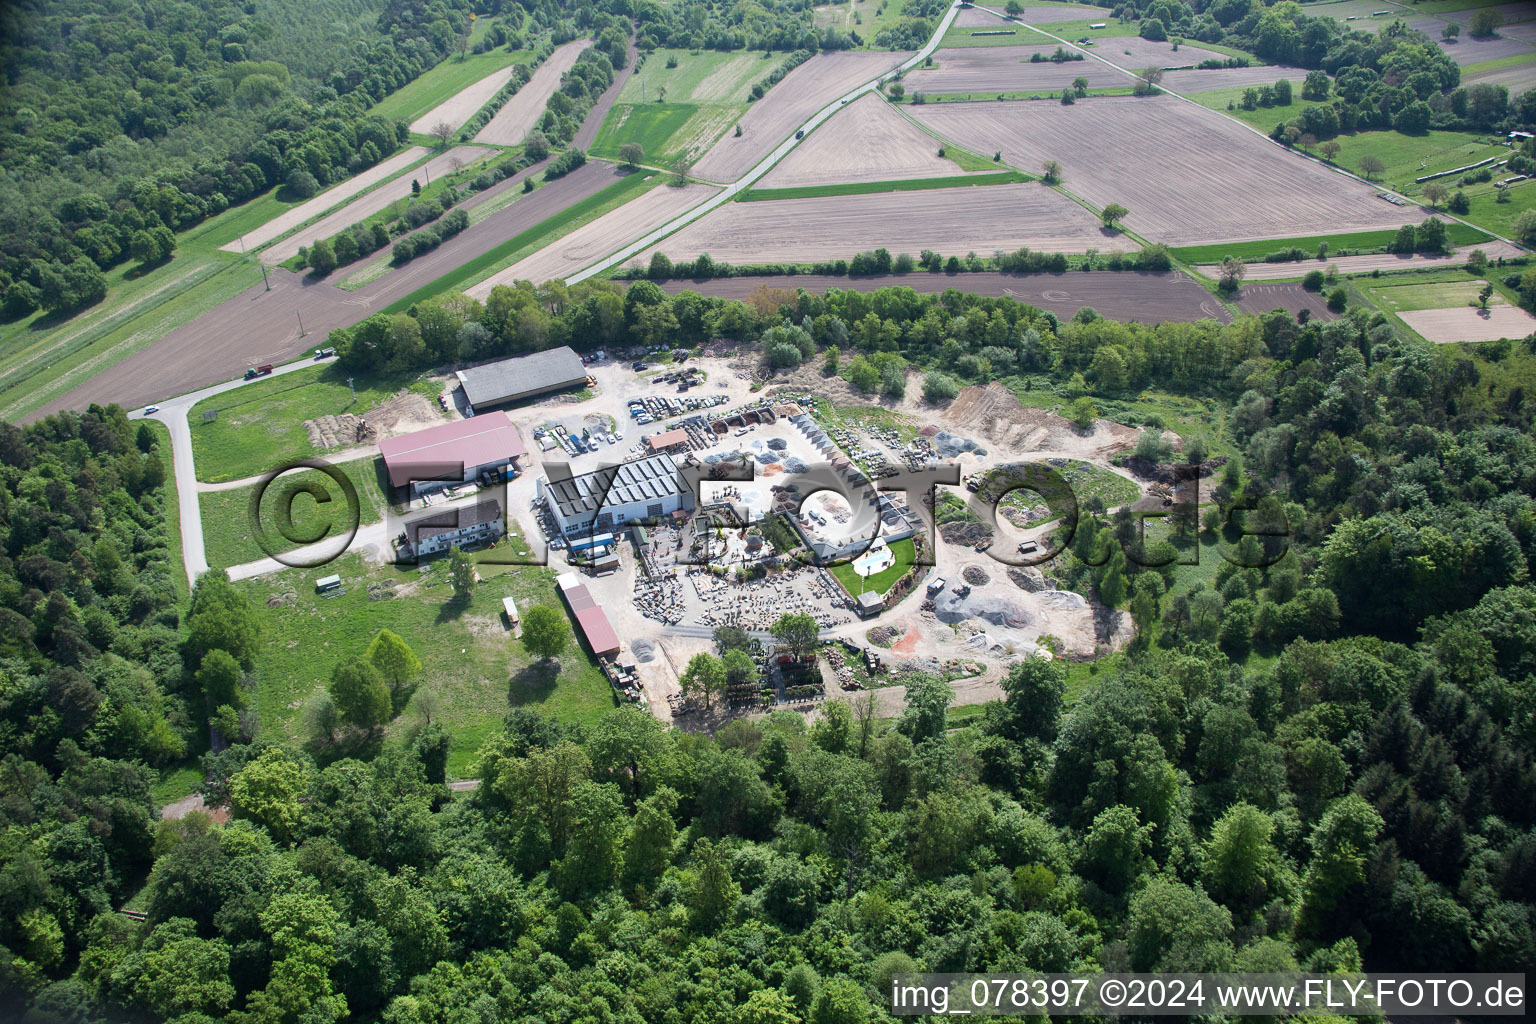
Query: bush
x=939, y=387
x=302, y=184
x=564, y=164
x=1338, y=300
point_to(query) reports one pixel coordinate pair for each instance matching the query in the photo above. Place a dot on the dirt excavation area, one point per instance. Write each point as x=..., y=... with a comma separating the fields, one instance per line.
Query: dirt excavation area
x=980, y=219
x=868, y=140
x=1188, y=175
x=291, y=219
x=786, y=107
x=590, y=243
x=404, y=413
x=982, y=69
x=362, y=208
x=520, y=113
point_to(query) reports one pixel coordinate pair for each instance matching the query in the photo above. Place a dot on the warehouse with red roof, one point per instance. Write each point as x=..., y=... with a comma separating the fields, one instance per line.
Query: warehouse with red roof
x=484, y=449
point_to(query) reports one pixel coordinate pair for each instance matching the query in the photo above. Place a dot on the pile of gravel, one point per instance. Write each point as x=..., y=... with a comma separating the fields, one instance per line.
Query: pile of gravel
x=883, y=636
x=952, y=610
x=766, y=458
x=976, y=576
x=949, y=446
x=1029, y=579
x=778, y=444
x=794, y=465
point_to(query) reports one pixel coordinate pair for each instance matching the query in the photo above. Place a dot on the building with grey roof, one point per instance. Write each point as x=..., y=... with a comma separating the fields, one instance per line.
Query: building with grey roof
x=508, y=380
x=648, y=488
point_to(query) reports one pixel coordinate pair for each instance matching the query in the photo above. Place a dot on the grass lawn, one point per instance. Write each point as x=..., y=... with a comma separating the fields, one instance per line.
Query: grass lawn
x=881, y=581
x=963, y=37
x=169, y=502
x=1411, y=156
x=1488, y=212
x=858, y=188
x=1262, y=118
x=1185, y=416
x=866, y=17
x=445, y=81
x=536, y=237
x=1338, y=245
x=701, y=77
x=227, y=531
x=1444, y=295
x=262, y=424
x=666, y=131
x=1494, y=65
x=474, y=672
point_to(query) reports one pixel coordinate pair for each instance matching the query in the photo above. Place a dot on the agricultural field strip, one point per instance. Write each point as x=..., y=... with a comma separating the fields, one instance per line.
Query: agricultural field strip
x=517, y=118
x=366, y=206
x=1367, y=262
x=747, y=180
x=1463, y=323
x=869, y=140
x=464, y=104
x=1261, y=135
x=1005, y=68
x=597, y=238
x=323, y=202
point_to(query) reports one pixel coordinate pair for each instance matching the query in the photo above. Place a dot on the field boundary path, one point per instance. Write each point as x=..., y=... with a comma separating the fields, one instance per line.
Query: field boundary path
x=766, y=164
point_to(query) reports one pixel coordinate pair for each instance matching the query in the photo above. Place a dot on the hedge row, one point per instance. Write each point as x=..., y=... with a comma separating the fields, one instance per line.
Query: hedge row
x=424, y=241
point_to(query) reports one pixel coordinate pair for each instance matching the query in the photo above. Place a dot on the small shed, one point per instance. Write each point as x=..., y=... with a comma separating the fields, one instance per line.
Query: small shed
x=514, y=623
x=870, y=604
x=325, y=583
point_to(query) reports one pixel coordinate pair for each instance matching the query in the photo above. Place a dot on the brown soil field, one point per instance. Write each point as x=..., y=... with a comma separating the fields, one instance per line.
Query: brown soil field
x=868, y=140
x=526, y=106
x=1524, y=30
x=1290, y=296
x=259, y=326
x=462, y=106
x=1188, y=175
x=362, y=208
x=598, y=238
x=1517, y=78
x=1123, y=295
x=1006, y=69
x=1226, y=78
x=983, y=219
x=1466, y=323
x=291, y=219
x=1040, y=15
x=787, y=105
x=1471, y=50
x=1367, y=263
x=1147, y=54
x=978, y=17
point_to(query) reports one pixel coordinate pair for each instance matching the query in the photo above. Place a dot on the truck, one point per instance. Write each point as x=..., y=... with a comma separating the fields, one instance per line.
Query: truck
x=324, y=353
x=258, y=371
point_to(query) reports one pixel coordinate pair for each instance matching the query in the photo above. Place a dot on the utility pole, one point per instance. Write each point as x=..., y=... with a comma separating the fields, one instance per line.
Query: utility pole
x=242, y=245
x=302, y=332
x=264, y=280
x=352, y=389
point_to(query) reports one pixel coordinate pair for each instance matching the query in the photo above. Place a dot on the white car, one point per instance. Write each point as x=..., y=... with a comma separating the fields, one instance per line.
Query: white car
x=150, y=410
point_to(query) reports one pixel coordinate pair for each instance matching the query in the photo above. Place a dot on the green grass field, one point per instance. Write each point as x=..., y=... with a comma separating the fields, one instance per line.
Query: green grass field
x=443, y=82
x=881, y=581
x=960, y=38
x=1262, y=118
x=1441, y=295
x=474, y=671
x=230, y=539
x=860, y=188
x=1411, y=156
x=1494, y=65
x=702, y=77
x=866, y=17
x=666, y=131
x=536, y=237
x=1486, y=210
x=262, y=424
x=1338, y=245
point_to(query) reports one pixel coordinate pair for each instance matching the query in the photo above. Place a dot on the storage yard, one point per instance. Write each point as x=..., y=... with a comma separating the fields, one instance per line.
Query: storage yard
x=1188, y=175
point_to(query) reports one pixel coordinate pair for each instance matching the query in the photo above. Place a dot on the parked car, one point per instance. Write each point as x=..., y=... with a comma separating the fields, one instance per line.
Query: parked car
x=150, y=410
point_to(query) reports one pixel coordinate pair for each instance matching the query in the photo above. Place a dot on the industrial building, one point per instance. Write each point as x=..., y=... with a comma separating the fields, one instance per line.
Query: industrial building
x=510, y=380
x=647, y=488
x=485, y=449
x=480, y=523
x=590, y=619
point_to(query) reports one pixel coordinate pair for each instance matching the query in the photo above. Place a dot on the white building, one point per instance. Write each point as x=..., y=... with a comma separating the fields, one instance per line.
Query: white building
x=603, y=499
x=479, y=523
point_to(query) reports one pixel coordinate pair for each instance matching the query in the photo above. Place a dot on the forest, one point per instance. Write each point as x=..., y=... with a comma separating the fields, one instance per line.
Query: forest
x=1318, y=759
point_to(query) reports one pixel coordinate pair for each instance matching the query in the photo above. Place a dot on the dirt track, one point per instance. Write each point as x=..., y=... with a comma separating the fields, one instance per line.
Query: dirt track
x=1125, y=295
x=258, y=326
x=1188, y=175
x=982, y=218
x=523, y=110
x=787, y=105
x=868, y=140
x=325, y=200
x=362, y=208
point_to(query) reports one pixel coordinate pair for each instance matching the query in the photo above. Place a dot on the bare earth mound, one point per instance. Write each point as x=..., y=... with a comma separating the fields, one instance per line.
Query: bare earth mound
x=1006, y=69
x=950, y=220
x=327, y=199
x=1467, y=323
x=526, y=106
x=1188, y=175
x=1369, y=262
x=366, y=206
x=593, y=241
x=868, y=140
x=787, y=105
x=462, y=106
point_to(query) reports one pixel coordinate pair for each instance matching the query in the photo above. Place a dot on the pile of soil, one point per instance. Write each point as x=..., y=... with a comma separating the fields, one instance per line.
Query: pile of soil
x=967, y=534
x=282, y=600
x=976, y=576
x=883, y=636
x=1029, y=579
